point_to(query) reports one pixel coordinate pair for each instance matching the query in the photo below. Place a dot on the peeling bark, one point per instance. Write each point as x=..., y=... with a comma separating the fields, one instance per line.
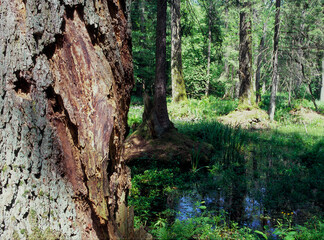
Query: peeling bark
x=66, y=78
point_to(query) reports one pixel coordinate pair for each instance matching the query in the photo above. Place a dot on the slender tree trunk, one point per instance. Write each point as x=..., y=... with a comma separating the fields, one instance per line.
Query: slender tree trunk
x=259, y=65
x=275, y=79
x=289, y=91
x=178, y=84
x=227, y=65
x=322, y=89
x=209, y=50
x=65, y=82
x=140, y=81
x=245, y=61
x=161, y=117
x=233, y=83
x=129, y=15
x=237, y=87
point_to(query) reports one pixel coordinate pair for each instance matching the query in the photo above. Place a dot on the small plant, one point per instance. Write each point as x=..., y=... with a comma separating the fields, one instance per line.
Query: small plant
x=313, y=229
x=195, y=159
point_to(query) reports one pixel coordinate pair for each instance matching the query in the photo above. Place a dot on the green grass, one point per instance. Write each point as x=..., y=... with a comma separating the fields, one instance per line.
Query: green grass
x=197, y=110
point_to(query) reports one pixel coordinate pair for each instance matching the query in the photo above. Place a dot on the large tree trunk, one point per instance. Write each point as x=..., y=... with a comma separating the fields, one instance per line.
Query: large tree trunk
x=322, y=89
x=161, y=119
x=66, y=77
x=178, y=84
x=275, y=79
x=245, y=61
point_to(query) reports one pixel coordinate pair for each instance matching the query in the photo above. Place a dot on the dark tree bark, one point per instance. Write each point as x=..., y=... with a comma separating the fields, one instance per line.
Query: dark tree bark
x=275, y=73
x=161, y=118
x=178, y=84
x=245, y=61
x=65, y=82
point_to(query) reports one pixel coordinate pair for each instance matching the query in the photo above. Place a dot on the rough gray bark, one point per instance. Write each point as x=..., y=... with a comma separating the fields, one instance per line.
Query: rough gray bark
x=245, y=55
x=322, y=89
x=65, y=82
x=275, y=79
x=178, y=84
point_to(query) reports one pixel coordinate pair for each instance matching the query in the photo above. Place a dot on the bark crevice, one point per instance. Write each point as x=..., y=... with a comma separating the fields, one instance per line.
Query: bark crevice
x=56, y=101
x=22, y=85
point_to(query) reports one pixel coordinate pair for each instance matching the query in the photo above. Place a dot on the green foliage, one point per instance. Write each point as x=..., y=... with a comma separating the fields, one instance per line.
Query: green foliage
x=135, y=115
x=150, y=190
x=143, y=19
x=195, y=48
x=313, y=230
x=203, y=227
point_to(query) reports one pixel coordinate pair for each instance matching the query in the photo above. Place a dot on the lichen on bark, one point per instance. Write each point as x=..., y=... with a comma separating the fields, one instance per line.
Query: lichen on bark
x=178, y=84
x=65, y=82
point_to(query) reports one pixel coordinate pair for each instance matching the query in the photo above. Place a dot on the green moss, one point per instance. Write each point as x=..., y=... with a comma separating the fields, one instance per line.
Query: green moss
x=15, y=235
x=39, y=234
x=26, y=192
x=5, y=168
x=245, y=106
x=47, y=234
x=178, y=86
x=41, y=193
x=32, y=214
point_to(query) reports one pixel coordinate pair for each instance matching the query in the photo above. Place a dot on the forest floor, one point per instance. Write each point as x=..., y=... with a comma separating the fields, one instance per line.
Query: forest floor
x=262, y=181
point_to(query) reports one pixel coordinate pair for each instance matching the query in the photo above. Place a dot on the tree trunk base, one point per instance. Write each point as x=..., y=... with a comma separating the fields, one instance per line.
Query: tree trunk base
x=170, y=147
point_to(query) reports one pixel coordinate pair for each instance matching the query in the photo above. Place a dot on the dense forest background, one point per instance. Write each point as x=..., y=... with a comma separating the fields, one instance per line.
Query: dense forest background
x=210, y=34
x=244, y=88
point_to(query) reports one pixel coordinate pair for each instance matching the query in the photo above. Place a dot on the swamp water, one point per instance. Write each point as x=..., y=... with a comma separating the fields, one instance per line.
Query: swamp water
x=250, y=212
x=247, y=208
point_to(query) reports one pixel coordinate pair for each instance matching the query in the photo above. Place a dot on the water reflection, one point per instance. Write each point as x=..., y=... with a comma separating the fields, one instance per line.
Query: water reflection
x=247, y=211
